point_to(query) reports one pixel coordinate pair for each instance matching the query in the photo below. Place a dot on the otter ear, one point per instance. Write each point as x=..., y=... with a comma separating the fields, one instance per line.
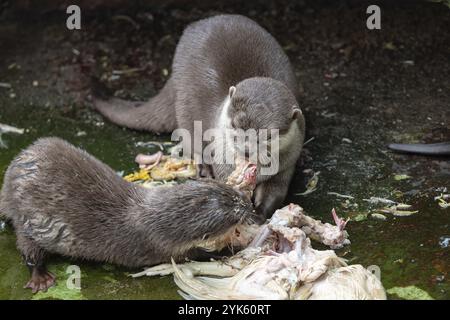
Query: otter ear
x=231, y=91
x=296, y=113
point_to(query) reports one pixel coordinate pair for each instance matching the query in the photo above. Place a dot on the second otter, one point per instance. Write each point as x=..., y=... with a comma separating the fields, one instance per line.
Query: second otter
x=62, y=200
x=229, y=73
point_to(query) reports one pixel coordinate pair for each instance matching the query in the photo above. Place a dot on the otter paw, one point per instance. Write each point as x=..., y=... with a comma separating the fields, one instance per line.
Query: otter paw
x=40, y=281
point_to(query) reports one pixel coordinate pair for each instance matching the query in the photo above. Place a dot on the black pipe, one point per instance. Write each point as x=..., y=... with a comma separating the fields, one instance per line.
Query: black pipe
x=431, y=149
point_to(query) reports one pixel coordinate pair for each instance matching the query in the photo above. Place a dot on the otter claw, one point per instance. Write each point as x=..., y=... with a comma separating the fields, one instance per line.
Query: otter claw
x=40, y=281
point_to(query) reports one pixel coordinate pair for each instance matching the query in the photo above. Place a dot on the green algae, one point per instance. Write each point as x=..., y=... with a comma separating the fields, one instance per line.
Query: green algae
x=410, y=293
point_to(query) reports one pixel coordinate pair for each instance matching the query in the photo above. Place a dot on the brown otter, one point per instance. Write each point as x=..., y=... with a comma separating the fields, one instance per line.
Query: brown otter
x=227, y=72
x=62, y=200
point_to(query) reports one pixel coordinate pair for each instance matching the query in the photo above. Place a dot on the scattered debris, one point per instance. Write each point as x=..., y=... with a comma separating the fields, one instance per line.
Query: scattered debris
x=378, y=216
x=127, y=71
x=331, y=75
x=389, y=46
x=403, y=206
x=344, y=196
x=398, y=210
x=13, y=66
x=127, y=19
x=444, y=241
x=442, y=200
x=328, y=115
x=410, y=293
x=5, y=85
x=377, y=200
x=349, y=205
x=4, y=128
x=113, y=77
x=399, y=177
x=397, y=194
x=347, y=140
x=308, y=141
x=408, y=62
x=311, y=186
x=81, y=133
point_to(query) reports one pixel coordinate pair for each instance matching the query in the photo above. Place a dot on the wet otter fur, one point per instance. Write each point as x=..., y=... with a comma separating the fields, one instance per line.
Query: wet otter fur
x=229, y=73
x=62, y=200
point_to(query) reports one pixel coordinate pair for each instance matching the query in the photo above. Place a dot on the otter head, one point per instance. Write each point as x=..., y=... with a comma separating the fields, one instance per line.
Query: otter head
x=259, y=109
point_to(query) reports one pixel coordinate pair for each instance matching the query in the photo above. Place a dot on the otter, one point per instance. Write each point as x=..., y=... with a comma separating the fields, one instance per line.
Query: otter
x=229, y=73
x=62, y=200
x=431, y=149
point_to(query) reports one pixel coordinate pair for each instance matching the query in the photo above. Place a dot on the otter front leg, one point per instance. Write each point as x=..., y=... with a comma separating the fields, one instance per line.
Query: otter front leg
x=34, y=257
x=205, y=171
x=270, y=194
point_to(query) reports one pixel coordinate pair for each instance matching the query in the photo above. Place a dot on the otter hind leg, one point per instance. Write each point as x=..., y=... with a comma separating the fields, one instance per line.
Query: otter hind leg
x=34, y=257
x=41, y=280
x=156, y=115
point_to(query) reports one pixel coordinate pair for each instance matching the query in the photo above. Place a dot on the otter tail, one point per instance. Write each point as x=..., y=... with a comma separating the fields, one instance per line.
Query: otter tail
x=156, y=115
x=433, y=149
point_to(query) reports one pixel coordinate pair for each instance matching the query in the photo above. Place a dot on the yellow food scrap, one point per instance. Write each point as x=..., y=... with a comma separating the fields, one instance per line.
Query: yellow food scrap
x=158, y=173
x=175, y=164
x=168, y=169
x=138, y=175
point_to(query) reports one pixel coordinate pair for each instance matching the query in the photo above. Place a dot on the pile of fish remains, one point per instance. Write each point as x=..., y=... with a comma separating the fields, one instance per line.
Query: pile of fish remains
x=276, y=261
